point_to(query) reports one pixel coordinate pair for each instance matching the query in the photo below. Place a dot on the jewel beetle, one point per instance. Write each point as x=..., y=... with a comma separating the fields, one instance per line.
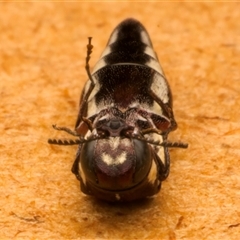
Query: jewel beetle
x=124, y=120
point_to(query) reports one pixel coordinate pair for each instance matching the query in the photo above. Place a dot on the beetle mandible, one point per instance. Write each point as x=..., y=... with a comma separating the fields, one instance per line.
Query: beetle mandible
x=124, y=120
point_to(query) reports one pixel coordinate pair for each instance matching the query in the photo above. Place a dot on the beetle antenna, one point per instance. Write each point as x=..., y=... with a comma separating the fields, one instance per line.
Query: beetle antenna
x=163, y=144
x=68, y=142
x=65, y=142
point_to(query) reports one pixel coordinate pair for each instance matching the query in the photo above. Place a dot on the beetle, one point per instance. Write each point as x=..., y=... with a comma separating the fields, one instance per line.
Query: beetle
x=124, y=120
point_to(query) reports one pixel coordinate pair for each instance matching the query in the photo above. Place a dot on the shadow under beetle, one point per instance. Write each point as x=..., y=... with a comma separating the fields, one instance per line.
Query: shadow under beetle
x=124, y=120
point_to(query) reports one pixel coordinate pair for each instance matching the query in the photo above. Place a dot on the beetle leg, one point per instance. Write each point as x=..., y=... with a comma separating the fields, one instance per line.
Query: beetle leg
x=65, y=142
x=75, y=170
x=162, y=164
x=150, y=121
x=75, y=166
x=88, y=122
x=167, y=111
x=84, y=99
x=158, y=124
x=163, y=170
x=65, y=129
x=150, y=130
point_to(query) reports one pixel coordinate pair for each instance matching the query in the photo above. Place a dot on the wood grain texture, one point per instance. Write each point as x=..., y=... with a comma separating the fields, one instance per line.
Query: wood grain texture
x=42, y=73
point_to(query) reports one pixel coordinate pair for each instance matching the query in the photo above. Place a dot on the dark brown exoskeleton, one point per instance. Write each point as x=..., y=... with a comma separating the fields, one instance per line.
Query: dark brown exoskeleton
x=124, y=120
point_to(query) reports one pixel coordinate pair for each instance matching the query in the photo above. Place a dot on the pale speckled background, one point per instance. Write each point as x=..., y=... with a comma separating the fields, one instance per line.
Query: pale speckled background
x=42, y=54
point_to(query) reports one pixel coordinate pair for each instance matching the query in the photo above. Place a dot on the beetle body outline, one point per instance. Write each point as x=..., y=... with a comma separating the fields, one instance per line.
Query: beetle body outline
x=124, y=120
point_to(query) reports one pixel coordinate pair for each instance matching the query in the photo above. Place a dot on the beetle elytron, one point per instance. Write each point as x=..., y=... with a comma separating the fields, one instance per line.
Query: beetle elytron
x=124, y=120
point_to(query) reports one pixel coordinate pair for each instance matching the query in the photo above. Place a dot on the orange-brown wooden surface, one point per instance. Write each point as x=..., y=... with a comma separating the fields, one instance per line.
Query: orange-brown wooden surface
x=42, y=57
